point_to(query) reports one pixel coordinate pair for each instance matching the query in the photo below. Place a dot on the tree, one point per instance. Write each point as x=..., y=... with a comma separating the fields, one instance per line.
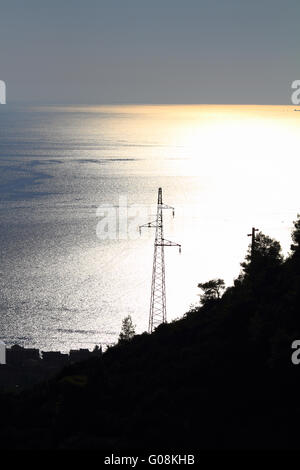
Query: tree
x=266, y=255
x=212, y=290
x=296, y=235
x=128, y=329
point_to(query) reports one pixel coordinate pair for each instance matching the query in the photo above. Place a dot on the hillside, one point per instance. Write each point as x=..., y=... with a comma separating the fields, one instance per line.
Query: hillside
x=219, y=378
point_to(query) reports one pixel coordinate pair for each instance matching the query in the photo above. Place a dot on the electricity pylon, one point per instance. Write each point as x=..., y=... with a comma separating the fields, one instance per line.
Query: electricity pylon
x=158, y=313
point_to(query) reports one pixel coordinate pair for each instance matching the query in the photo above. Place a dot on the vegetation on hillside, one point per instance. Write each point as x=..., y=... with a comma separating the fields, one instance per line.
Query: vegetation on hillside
x=219, y=378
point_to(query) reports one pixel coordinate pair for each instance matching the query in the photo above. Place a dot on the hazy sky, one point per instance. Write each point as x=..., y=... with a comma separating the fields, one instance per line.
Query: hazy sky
x=149, y=51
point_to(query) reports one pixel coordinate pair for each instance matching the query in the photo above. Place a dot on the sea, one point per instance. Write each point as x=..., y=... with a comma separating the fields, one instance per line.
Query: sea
x=77, y=181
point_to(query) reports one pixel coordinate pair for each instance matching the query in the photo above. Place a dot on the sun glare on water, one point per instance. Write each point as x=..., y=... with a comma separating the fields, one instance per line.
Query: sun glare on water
x=246, y=161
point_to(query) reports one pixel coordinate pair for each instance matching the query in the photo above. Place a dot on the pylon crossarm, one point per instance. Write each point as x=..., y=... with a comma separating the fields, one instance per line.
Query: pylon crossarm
x=152, y=224
x=165, y=206
x=168, y=243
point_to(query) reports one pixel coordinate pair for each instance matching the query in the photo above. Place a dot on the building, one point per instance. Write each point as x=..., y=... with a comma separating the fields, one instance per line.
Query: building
x=17, y=355
x=55, y=357
x=79, y=355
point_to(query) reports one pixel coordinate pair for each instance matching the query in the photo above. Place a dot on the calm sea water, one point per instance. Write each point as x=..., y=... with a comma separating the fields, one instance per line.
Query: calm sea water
x=224, y=168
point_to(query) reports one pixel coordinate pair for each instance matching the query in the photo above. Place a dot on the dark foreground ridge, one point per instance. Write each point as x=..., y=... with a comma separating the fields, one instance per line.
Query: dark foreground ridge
x=220, y=378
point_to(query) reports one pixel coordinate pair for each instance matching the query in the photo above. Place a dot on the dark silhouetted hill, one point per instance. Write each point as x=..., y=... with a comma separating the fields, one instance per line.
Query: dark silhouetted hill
x=219, y=378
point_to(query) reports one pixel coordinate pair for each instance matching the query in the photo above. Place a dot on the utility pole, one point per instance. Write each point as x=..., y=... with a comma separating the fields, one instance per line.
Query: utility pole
x=158, y=313
x=252, y=235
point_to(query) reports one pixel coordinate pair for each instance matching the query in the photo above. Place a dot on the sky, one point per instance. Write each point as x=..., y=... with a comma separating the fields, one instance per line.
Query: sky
x=139, y=51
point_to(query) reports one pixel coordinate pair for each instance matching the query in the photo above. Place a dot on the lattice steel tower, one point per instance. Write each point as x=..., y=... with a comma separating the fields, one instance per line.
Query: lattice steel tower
x=158, y=313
